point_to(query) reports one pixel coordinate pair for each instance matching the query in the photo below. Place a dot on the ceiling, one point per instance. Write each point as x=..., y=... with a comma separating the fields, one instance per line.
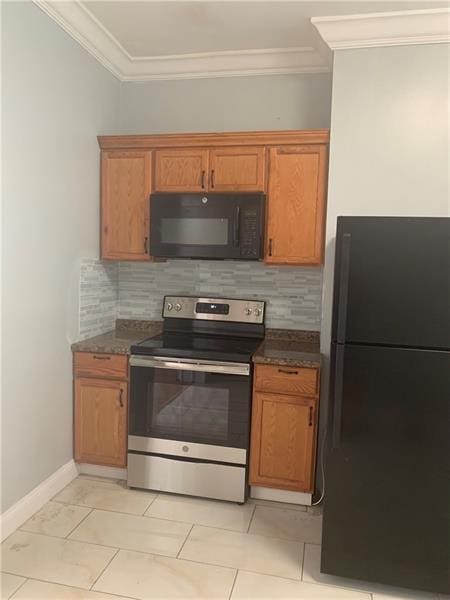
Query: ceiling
x=147, y=40
x=166, y=28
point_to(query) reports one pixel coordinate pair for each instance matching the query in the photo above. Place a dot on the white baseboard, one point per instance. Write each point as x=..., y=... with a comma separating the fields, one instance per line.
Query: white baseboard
x=263, y=493
x=25, y=508
x=101, y=471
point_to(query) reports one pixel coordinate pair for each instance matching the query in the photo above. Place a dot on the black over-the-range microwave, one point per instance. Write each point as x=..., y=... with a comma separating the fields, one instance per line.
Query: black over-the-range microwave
x=209, y=226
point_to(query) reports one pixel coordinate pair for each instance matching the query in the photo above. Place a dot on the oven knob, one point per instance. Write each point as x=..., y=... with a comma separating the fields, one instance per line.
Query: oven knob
x=248, y=311
x=258, y=311
x=169, y=306
x=178, y=307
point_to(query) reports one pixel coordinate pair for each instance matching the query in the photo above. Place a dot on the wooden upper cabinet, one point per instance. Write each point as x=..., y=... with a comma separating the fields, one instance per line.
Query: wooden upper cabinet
x=125, y=203
x=283, y=442
x=237, y=169
x=181, y=170
x=100, y=421
x=296, y=205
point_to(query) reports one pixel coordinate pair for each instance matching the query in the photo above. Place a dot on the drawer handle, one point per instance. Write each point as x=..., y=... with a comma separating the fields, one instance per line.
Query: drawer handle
x=121, y=398
x=101, y=357
x=287, y=372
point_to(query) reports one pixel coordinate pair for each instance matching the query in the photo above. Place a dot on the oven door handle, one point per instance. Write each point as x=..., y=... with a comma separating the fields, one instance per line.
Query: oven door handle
x=204, y=367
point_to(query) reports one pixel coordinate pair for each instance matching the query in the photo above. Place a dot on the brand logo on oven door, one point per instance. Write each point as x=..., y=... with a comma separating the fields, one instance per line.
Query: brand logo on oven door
x=204, y=200
x=185, y=448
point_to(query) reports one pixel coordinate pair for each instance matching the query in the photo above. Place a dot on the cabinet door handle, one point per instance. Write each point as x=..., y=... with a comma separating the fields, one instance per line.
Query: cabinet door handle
x=203, y=179
x=287, y=372
x=121, y=398
x=212, y=178
x=101, y=357
x=270, y=246
x=146, y=245
x=310, y=418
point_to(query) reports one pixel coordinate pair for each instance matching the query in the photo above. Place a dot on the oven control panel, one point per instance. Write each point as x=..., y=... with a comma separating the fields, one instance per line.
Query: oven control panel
x=217, y=309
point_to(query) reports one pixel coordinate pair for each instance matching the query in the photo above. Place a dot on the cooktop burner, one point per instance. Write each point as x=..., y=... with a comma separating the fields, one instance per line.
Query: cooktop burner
x=207, y=328
x=212, y=347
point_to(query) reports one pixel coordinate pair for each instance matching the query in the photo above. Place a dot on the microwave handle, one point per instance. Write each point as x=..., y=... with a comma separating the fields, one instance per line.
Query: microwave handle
x=236, y=226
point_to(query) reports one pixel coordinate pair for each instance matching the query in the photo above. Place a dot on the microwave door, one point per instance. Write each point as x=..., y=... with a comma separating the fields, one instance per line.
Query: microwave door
x=194, y=226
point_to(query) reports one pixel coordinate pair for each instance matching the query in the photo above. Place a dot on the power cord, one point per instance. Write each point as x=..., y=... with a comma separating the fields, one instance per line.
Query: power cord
x=322, y=469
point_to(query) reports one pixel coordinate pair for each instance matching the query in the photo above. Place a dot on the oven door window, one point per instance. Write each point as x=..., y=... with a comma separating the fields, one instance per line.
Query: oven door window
x=207, y=408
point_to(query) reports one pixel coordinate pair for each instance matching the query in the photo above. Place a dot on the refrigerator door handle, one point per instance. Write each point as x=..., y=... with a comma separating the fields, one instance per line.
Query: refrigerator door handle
x=343, y=288
x=338, y=385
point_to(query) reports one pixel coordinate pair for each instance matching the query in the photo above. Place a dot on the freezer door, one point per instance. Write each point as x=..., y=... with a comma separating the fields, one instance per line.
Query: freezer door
x=387, y=501
x=392, y=284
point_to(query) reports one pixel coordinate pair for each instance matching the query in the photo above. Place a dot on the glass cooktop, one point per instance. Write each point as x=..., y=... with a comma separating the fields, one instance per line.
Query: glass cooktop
x=208, y=347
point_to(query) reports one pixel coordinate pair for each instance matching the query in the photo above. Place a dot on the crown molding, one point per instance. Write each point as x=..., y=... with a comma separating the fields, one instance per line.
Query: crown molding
x=230, y=63
x=86, y=29
x=397, y=28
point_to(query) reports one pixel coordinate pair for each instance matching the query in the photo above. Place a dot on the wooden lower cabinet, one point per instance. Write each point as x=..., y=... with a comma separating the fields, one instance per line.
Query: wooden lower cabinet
x=101, y=421
x=283, y=435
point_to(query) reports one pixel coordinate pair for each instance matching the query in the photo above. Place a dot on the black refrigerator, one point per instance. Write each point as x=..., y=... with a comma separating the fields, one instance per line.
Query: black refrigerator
x=387, y=475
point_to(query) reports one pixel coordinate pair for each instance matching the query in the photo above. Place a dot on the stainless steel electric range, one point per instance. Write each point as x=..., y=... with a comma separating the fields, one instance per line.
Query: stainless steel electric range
x=190, y=399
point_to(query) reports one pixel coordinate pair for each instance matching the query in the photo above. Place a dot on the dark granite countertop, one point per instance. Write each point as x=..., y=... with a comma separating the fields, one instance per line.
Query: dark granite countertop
x=280, y=346
x=120, y=339
x=289, y=347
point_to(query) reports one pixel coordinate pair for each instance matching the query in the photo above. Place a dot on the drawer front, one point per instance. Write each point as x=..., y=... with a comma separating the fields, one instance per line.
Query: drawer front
x=97, y=364
x=286, y=380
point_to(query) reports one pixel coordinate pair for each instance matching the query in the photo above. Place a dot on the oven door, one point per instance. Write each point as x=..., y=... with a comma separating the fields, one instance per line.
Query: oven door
x=189, y=408
x=214, y=226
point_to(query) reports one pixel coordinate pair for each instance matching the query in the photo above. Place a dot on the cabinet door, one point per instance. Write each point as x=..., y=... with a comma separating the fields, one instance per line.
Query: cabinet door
x=237, y=169
x=283, y=442
x=126, y=185
x=181, y=170
x=101, y=421
x=296, y=205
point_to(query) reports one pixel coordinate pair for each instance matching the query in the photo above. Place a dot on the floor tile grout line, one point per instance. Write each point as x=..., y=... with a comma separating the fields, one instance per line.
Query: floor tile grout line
x=251, y=519
x=303, y=560
x=92, y=508
x=259, y=535
x=76, y=526
x=303, y=508
x=151, y=502
x=234, y=583
x=199, y=524
x=222, y=566
x=284, y=577
x=20, y=586
x=318, y=583
x=121, y=512
x=185, y=540
x=298, y=542
x=66, y=585
x=103, y=570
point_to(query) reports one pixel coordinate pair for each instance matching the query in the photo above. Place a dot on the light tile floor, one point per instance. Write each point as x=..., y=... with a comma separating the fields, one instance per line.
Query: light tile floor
x=97, y=540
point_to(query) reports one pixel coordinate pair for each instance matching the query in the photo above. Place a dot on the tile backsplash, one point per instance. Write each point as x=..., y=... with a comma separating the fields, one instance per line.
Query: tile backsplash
x=99, y=296
x=293, y=294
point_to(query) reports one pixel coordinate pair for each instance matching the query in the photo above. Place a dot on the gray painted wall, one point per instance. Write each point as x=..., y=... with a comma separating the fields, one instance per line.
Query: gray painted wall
x=228, y=104
x=389, y=144
x=56, y=99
